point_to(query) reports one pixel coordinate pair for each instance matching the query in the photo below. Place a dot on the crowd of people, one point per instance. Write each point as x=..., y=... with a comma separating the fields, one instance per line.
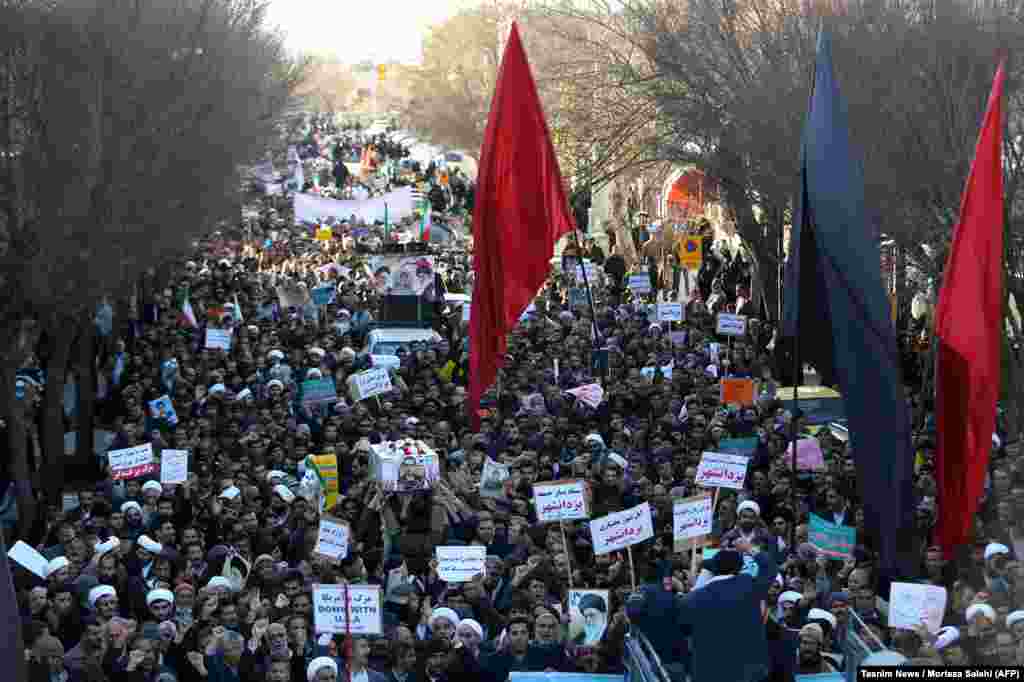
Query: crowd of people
x=214, y=578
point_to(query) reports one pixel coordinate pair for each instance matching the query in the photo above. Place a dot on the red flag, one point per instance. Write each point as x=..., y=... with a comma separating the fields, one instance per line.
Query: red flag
x=969, y=328
x=519, y=214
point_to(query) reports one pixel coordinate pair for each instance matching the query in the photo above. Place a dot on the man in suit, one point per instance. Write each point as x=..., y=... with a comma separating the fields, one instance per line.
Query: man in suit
x=725, y=617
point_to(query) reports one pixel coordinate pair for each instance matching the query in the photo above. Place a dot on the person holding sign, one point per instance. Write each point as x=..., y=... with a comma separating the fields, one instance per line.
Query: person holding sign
x=725, y=611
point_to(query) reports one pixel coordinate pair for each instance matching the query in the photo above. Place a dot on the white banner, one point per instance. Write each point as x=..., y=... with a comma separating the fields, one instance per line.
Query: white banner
x=560, y=501
x=691, y=521
x=459, y=564
x=622, y=529
x=368, y=384
x=670, y=312
x=173, y=466
x=360, y=616
x=131, y=463
x=731, y=325
x=332, y=538
x=312, y=209
x=218, y=339
x=719, y=470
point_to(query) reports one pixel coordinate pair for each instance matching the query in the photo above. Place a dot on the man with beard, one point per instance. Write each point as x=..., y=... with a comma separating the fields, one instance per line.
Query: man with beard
x=437, y=652
x=750, y=529
x=811, y=660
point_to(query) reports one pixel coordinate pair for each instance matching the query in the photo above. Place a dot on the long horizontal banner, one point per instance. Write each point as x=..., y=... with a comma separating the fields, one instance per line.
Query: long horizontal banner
x=397, y=204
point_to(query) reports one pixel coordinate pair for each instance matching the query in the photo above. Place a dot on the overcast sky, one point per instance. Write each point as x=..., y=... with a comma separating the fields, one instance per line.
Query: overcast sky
x=357, y=30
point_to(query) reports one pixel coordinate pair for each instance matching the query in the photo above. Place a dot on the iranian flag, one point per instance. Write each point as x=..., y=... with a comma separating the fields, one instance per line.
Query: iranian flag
x=188, y=315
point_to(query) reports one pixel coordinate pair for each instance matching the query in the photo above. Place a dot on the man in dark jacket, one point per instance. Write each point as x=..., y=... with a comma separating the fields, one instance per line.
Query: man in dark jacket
x=728, y=609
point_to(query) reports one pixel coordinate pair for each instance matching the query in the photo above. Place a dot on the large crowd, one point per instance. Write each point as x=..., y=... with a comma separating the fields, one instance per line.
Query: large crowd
x=214, y=578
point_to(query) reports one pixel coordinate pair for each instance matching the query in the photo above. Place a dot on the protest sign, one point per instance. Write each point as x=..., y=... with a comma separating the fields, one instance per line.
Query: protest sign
x=721, y=470
x=405, y=466
x=332, y=538
x=670, y=312
x=326, y=468
x=370, y=383
x=649, y=372
x=386, y=362
x=412, y=276
x=560, y=501
x=218, y=339
x=588, y=269
x=466, y=308
x=622, y=529
x=69, y=502
x=737, y=391
x=27, y=557
x=691, y=521
x=162, y=409
x=832, y=540
x=323, y=295
x=459, y=564
x=324, y=233
x=361, y=615
x=173, y=466
x=590, y=395
x=562, y=677
x=731, y=325
x=316, y=391
x=911, y=604
x=131, y=462
x=589, y=611
x=493, y=479
x=640, y=283
x=738, y=446
x=809, y=456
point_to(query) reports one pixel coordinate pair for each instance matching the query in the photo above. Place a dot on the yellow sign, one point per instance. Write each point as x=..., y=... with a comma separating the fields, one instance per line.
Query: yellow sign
x=382, y=72
x=324, y=234
x=327, y=471
x=691, y=252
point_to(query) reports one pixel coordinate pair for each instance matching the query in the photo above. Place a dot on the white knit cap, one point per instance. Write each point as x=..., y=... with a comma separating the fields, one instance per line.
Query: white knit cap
x=152, y=485
x=1014, y=617
x=994, y=548
x=275, y=382
x=230, y=493
x=159, y=595
x=219, y=581
x=980, y=610
x=130, y=504
x=149, y=544
x=789, y=597
x=318, y=664
x=472, y=625
x=445, y=613
x=821, y=614
x=56, y=564
x=284, y=493
x=99, y=592
x=271, y=475
x=947, y=635
x=749, y=504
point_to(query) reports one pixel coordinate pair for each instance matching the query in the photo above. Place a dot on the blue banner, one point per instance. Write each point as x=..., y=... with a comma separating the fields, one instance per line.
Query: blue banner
x=318, y=391
x=562, y=677
x=832, y=540
x=737, y=446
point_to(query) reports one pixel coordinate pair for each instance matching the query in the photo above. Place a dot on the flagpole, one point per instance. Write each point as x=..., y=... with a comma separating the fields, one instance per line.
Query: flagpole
x=596, y=340
x=797, y=365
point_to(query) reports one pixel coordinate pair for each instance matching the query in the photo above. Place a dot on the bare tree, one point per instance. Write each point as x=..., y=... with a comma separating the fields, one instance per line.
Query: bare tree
x=126, y=126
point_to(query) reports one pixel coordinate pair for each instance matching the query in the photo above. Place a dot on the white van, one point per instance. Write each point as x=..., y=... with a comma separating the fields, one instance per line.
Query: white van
x=387, y=340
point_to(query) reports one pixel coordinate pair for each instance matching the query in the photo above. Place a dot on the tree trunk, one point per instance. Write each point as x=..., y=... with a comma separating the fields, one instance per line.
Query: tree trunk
x=13, y=410
x=52, y=438
x=86, y=388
